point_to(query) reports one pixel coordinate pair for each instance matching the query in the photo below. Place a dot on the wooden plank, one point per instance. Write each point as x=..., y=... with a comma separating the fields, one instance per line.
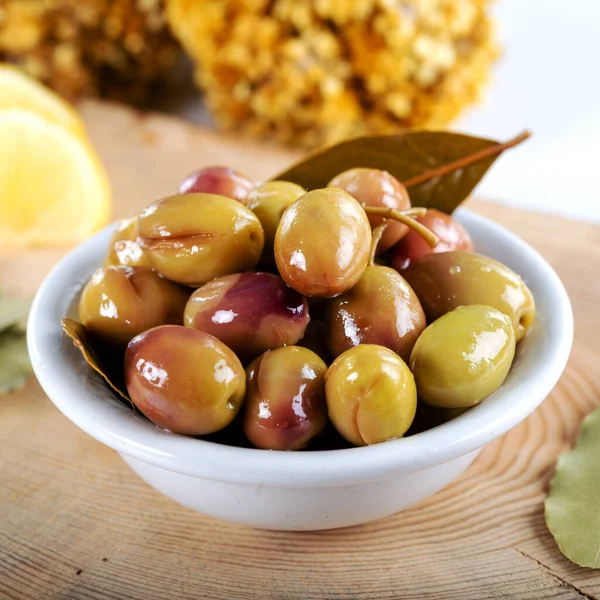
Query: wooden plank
x=77, y=524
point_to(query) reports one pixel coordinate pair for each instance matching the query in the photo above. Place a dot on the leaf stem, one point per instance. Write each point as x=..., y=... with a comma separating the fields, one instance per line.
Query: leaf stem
x=405, y=217
x=467, y=160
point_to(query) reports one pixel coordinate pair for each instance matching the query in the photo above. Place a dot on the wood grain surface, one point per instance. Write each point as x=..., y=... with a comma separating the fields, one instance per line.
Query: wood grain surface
x=76, y=523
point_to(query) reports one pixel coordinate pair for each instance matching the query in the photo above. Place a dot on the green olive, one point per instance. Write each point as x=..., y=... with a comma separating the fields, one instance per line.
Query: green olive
x=371, y=395
x=268, y=202
x=463, y=357
x=451, y=279
x=117, y=303
x=322, y=243
x=123, y=248
x=193, y=238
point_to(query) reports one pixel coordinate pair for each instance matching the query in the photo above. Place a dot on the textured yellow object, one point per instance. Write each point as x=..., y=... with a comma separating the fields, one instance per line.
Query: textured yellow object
x=53, y=189
x=319, y=70
x=109, y=47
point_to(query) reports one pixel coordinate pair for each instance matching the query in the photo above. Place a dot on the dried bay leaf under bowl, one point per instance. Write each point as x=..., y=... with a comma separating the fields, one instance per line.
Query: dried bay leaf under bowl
x=303, y=490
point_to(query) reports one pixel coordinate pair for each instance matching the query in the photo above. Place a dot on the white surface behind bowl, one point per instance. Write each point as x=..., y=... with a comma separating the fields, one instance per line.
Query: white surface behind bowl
x=546, y=81
x=301, y=490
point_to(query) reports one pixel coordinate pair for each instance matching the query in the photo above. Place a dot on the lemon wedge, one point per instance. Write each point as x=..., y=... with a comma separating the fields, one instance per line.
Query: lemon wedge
x=53, y=188
x=17, y=91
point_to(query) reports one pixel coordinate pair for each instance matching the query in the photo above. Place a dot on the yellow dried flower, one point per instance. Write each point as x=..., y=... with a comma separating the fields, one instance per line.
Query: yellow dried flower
x=314, y=71
x=109, y=47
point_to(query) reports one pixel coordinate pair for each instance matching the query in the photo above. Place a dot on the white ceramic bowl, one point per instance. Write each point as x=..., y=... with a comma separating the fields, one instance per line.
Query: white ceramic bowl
x=301, y=490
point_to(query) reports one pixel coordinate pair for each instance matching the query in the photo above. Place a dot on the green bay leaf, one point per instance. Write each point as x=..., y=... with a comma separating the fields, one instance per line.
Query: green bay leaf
x=13, y=312
x=107, y=362
x=573, y=504
x=440, y=169
x=14, y=360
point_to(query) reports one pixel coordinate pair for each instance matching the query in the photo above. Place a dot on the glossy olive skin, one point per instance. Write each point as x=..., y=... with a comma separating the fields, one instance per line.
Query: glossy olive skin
x=448, y=280
x=322, y=243
x=223, y=181
x=372, y=187
x=285, y=403
x=268, y=201
x=380, y=309
x=314, y=339
x=193, y=238
x=249, y=312
x=123, y=248
x=463, y=357
x=184, y=380
x=451, y=234
x=117, y=303
x=371, y=395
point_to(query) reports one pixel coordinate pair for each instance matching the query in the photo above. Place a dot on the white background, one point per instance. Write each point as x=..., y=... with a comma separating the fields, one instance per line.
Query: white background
x=548, y=81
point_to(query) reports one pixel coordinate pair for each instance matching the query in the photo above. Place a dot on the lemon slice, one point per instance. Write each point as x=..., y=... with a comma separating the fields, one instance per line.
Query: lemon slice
x=53, y=189
x=17, y=91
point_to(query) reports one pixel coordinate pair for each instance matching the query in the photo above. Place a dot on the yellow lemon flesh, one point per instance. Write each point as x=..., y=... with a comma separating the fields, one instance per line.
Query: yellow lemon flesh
x=53, y=189
x=17, y=91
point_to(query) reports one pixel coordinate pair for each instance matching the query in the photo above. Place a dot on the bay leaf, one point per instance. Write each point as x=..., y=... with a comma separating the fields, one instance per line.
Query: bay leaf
x=439, y=168
x=573, y=504
x=104, y=360
x=15, y=367
x=13, y=312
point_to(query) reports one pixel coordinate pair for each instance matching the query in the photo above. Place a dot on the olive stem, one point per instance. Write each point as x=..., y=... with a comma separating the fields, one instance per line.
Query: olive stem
x=377, y=235
x=416, y=212
x=405, y=217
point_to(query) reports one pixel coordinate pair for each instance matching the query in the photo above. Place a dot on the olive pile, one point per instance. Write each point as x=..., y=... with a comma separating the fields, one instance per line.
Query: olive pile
x=297, y=309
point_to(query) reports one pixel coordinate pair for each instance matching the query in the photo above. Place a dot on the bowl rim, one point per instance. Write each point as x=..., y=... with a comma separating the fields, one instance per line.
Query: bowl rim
x=118, y=427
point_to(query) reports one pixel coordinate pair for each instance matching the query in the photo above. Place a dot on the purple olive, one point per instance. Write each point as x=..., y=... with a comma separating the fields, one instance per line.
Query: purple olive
x=285, y=400
x=372, y=187
x=451, y=234
x=249, y=312
x=380, y=309
x=223, y=181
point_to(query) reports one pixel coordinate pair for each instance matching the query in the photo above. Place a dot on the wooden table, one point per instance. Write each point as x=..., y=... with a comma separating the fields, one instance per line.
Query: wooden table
x=76, y=523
